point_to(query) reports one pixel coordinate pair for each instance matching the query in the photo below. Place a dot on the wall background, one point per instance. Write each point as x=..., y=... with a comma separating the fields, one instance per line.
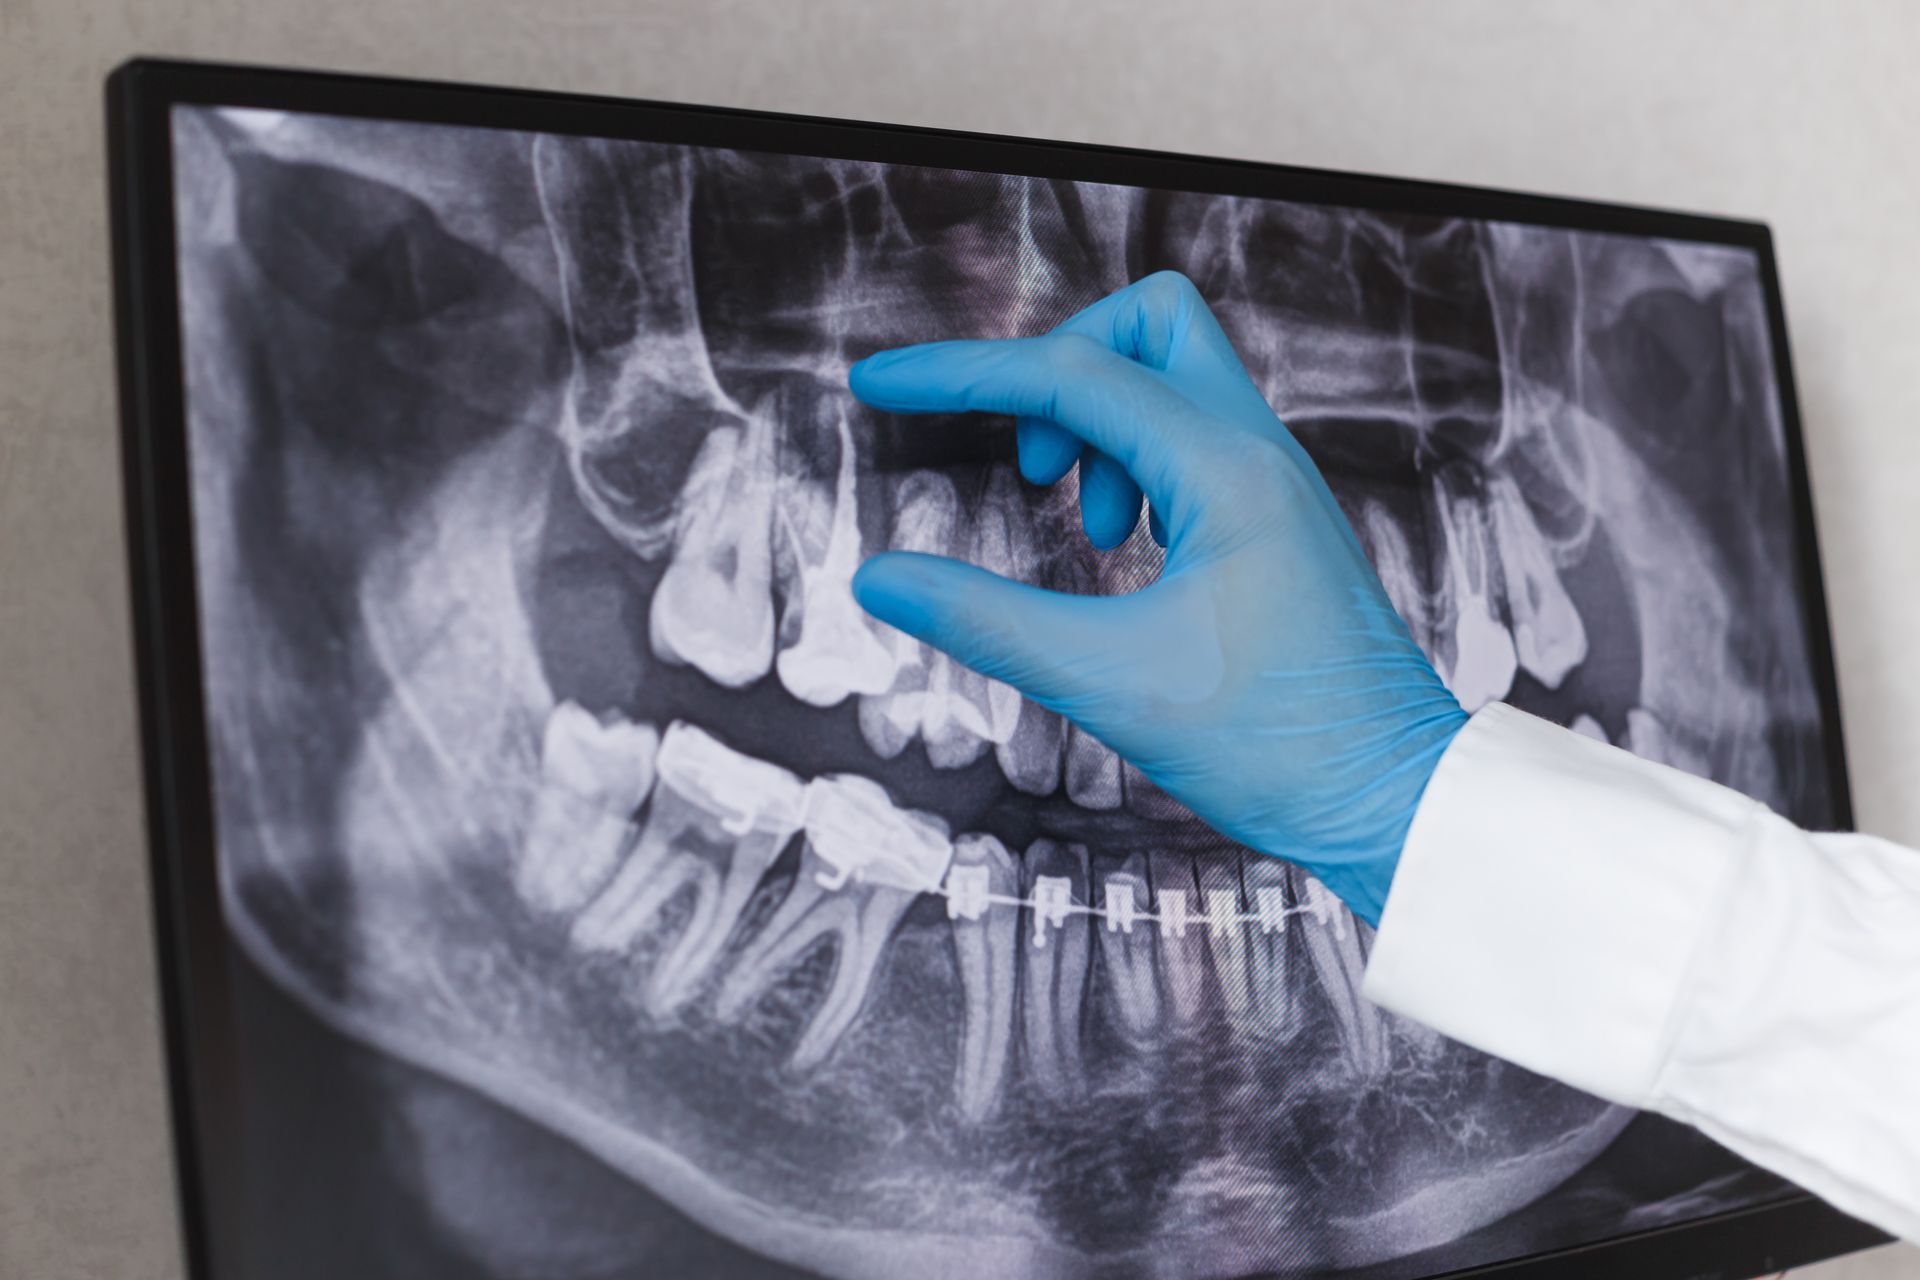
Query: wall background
x=1798, y=114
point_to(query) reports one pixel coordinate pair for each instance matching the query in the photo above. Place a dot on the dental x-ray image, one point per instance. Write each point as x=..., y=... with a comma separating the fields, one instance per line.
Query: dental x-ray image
x=612, y=896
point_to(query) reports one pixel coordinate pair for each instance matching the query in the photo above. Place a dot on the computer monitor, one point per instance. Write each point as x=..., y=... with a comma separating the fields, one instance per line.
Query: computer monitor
x=559, y=876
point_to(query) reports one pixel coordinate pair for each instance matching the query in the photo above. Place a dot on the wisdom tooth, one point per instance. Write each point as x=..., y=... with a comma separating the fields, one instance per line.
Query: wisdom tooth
x=1182, y=945
x=988, y=955
x=926, y=511
x=1054, y=971
x=1274, y=1012
x=872, y=853
x=1548, y=635
x=835, y=652
x=592, y=779
x=719, y=820
x=1483, y=662
x=1126, y=952
x=1226, y=935
x=1093, y=771
x=1334, y=950
x=714, y=605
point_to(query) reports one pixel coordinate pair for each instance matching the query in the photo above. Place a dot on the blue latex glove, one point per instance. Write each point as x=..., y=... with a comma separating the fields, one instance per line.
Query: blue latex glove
x=1264, y=680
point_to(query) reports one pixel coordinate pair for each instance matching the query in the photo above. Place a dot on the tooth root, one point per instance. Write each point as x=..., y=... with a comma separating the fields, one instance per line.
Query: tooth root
x=1275, y=1012
x=718, y=821
x=1483, y=660
x=1333, y=947
x=1182, y=941
x=1127, y=952
x=835, y=652
x=1219, y=879
x=1054, y=964
x=1549, y=638
x=872, y=923
x=988, y=960
x=1093, y=771
x=714, y=605
x=863, y=864
x=1031, y=758
x=592, y=779
x=1145, y=800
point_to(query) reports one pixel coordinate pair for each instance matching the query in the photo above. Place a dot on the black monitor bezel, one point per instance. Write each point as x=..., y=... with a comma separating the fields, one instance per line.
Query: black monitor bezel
x=193, y=947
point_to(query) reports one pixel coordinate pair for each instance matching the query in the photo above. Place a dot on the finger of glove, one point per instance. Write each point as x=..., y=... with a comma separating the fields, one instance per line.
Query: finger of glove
x=1119, y=407
x=1046, y=452
x=1109, y=500
x=1163, y=322
x=1038, y=641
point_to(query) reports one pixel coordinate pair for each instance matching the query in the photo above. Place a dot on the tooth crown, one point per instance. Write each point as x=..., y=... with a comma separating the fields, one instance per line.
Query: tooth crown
x=741, y=792
x=853, y=827
x=611, y=764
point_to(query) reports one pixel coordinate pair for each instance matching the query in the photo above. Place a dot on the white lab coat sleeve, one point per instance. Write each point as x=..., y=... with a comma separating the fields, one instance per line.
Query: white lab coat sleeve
x=1666, y=943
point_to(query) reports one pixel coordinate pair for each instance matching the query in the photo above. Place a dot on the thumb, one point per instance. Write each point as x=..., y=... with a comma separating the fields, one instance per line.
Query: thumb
x=1043, y=643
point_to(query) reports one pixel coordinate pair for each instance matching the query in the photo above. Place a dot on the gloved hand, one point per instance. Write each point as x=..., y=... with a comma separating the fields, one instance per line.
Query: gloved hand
x=1264, y=680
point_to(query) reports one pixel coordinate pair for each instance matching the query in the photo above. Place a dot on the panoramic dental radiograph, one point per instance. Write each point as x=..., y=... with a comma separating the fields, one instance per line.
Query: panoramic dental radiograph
x=570, y=803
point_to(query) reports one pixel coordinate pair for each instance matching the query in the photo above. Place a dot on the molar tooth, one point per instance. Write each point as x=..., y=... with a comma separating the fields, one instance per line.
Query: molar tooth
x=1333, y=945
x=834, y=651
x=1483, y=662
x=593, y=777
x=1054, y=968
x=714, y=605
x=988, y=957
x=1548, y=636
x=863, y=864
x=1182, y=944
x=719, y=820
x=1093, y=771
x=1219, y=879
x=1127, y=950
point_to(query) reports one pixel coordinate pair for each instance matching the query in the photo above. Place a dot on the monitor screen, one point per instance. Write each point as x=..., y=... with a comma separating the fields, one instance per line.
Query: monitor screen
x=607, y=894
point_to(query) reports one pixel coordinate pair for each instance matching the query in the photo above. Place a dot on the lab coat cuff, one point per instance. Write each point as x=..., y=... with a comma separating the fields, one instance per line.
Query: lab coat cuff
x=1551, y=896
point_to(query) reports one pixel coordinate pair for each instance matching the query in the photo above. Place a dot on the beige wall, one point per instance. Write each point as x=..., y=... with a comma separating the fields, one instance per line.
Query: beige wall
x=1801, y=115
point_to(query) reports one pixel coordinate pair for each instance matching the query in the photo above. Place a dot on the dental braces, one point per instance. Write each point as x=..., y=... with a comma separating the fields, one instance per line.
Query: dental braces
x=969, y=897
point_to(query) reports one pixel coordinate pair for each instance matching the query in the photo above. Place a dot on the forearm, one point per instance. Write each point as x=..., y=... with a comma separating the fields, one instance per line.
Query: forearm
x=1669, y=944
